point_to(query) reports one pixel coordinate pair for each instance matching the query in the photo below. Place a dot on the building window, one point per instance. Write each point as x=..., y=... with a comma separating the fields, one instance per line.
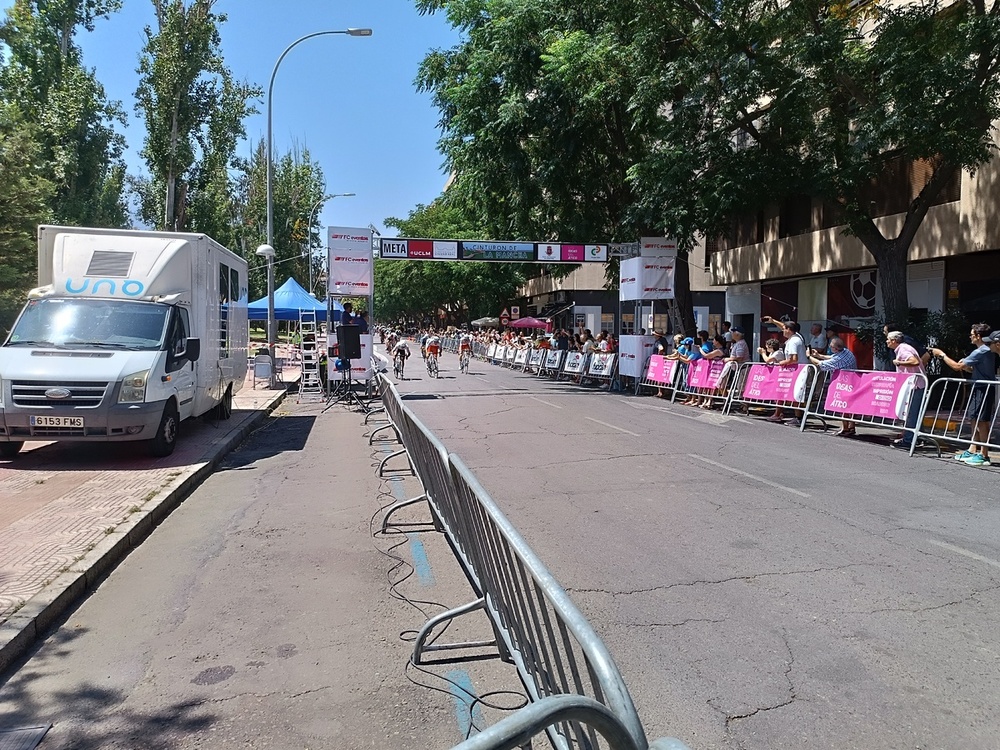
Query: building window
x=607, y=321
x=796, y=216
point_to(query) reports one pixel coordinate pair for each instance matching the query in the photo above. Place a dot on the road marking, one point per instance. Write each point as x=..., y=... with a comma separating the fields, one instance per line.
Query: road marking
x=749, y=476
x=481, y=378
x=554, y=406
x=967, y=553
x=620, y=429
x=712, y=417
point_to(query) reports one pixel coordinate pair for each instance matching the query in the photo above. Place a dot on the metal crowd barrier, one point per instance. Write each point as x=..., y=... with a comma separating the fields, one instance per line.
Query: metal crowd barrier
x=673, y=382
x=602, y=367
x=537, y=628
x=536, y=359
x=517, y=730
x=908, y=402
x=393, y=409
x=552, y=363
x=950, y=413
x=757, y=382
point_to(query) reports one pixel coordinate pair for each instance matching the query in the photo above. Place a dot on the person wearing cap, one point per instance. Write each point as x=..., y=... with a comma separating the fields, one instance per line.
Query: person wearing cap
x=982, y=366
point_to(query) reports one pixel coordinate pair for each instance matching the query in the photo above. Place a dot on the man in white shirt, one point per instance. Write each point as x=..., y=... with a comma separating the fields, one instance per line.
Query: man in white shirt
x=795, y=354
x=818, y=342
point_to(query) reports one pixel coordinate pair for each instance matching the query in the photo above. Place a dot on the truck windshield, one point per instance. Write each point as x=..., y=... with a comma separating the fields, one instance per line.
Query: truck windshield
x=88, y=323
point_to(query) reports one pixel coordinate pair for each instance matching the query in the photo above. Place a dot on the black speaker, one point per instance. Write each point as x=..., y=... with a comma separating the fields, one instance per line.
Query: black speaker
x=349, y=341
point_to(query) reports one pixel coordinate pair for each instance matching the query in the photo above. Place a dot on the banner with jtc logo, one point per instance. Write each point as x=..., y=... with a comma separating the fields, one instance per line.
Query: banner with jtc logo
x=704, y=373
x=633, y=352
x=870, y=394
x=661, y=369
x=350, y=269
x=773, y=383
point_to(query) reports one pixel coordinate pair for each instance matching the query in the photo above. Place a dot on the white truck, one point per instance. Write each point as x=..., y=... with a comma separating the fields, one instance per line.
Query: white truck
x=127, y=334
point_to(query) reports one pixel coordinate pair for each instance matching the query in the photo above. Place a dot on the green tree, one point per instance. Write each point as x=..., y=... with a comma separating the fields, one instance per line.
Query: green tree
x=538, y=123
x=421, y=290
x=297, y=184
x=194, y=113
x=750, y=103
x=43, y=75
x=25, y=193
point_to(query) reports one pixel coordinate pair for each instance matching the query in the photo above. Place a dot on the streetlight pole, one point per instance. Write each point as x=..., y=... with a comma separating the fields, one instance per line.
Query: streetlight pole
x=271, y=323
x=312, y=218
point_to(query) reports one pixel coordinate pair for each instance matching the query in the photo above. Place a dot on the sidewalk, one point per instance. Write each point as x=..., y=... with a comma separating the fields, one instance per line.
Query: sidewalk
x=69, y=512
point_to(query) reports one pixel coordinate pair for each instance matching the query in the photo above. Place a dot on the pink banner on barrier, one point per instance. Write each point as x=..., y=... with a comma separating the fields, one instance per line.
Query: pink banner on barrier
x=773, y=383
x=869, y=394
x=704, y=373
x=661, y=369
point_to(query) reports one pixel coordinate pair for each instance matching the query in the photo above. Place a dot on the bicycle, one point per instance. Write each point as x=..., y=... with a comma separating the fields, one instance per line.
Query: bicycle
x=463, y=361
x=397, y=365
x=432, y=365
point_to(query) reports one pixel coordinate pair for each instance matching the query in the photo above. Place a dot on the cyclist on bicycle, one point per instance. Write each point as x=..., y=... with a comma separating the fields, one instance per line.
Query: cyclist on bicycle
x=400, y=353
x=464, y=350
x=433, y=344
x=423, y=344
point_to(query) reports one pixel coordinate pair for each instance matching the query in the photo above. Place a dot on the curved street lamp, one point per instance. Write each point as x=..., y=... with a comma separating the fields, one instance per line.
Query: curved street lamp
x=312, y=218
x=271, y=324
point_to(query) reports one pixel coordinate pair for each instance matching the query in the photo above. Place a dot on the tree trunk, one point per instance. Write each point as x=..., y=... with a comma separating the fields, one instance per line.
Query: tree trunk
x=890, y=260
x=682, y=292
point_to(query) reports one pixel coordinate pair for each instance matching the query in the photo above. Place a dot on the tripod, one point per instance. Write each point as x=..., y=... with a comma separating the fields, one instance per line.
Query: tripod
x=344, y=393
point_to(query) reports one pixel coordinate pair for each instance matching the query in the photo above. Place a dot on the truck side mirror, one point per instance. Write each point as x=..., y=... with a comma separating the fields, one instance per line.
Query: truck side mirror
x=193, y=349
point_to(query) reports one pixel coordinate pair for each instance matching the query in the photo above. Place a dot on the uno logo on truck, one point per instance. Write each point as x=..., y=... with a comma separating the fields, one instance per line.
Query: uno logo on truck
x=94, y=287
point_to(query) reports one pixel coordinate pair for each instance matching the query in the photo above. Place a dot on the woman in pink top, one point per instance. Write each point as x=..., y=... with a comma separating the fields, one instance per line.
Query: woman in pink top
x=907, y=359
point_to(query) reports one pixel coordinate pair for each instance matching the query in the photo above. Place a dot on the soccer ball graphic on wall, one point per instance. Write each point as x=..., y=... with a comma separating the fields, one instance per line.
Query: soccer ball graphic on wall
x=864, y=289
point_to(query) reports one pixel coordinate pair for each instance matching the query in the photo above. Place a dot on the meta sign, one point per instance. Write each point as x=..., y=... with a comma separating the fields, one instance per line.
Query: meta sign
x=510, y=252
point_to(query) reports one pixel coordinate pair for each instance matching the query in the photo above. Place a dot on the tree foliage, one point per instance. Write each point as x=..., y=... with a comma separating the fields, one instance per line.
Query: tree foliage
x=297, y=184
x=25, y=193
x=42, y=74
x=419, y=291
x=194, y=112
x=758, y=102
x=585, y=120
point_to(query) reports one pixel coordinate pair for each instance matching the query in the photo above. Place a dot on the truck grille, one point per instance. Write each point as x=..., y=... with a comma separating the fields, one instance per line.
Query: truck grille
x=31, y=393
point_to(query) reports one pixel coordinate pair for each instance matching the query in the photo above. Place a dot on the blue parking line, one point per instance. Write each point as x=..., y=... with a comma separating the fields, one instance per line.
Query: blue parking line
x=460, y=686
x=418, y=553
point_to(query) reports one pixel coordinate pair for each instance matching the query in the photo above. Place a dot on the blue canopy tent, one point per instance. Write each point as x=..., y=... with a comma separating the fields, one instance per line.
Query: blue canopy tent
x=289, y=299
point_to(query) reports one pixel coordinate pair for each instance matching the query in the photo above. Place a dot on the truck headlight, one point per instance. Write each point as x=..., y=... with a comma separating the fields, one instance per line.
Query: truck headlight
x=133, y=388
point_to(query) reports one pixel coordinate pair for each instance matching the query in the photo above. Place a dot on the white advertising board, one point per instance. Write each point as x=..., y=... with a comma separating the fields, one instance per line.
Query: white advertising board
x=634, y=351
x=350, y=269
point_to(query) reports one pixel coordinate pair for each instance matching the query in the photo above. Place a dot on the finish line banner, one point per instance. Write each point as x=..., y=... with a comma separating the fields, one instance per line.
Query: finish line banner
x=507, y=252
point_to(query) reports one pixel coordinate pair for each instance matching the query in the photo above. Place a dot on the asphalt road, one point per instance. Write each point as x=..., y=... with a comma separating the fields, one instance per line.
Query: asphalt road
x=758, y=587
x=262, y=613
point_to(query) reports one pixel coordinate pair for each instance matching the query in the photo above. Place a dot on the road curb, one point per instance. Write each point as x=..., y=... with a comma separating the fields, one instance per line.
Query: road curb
x=33, y=620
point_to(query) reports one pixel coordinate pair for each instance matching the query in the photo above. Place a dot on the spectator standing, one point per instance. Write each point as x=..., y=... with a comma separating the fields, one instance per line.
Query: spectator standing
x=362, y=322
x=727, y=331
x=562, y=340
x=795, y=354
x=981, y=364
x=906, y=358
x=841, y=358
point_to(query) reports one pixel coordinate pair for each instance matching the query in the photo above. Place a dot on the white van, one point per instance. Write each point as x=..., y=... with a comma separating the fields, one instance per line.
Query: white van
x=127, y=334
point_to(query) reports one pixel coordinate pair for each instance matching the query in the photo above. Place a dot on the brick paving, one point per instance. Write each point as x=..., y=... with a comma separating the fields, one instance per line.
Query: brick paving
x=58, y=501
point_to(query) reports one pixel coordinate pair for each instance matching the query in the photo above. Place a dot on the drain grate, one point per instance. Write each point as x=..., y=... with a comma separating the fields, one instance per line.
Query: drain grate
x=22, y=739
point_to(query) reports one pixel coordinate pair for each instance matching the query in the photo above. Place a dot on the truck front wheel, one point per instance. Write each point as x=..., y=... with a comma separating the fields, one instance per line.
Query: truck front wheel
x=166, y=434
x=11, y=449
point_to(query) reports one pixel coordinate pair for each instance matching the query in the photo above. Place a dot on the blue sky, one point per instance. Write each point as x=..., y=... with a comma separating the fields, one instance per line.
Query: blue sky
x=349, y=100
